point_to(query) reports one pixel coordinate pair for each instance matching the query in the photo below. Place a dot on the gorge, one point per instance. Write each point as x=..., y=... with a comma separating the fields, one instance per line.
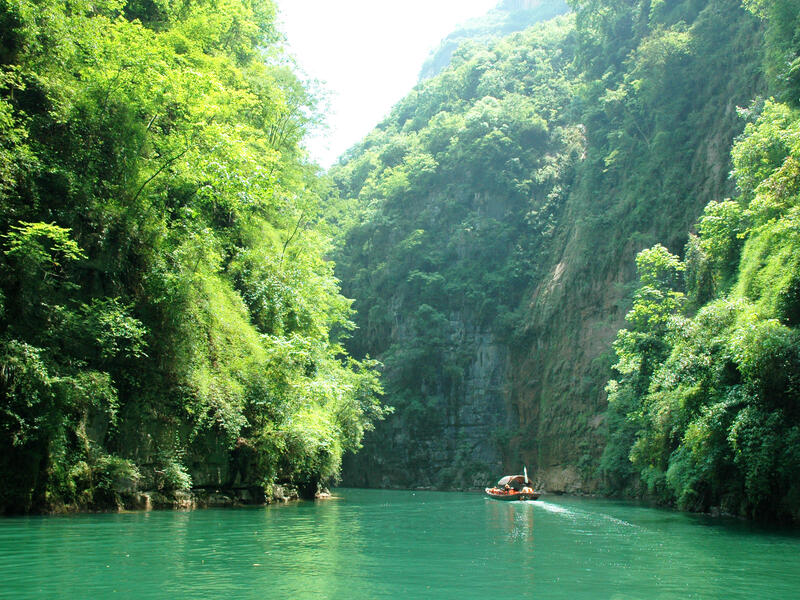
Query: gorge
x=572, y=246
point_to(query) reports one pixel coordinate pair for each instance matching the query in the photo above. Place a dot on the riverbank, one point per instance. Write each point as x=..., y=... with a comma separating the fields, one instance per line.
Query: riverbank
x=186, y=500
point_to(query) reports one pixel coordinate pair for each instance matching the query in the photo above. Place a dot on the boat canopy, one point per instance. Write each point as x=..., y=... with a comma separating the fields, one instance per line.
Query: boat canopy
x=516, y=482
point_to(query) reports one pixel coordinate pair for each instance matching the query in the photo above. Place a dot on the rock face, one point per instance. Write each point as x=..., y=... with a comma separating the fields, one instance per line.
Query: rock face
x=455, y=447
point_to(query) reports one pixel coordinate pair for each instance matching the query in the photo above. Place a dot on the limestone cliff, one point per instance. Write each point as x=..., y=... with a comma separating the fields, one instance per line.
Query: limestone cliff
x=456, y=446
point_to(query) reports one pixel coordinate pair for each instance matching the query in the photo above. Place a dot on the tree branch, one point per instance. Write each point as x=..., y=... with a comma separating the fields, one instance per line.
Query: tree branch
x=154, y=175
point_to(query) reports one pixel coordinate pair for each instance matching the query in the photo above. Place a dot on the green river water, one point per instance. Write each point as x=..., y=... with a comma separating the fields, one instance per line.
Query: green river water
x=368, y=544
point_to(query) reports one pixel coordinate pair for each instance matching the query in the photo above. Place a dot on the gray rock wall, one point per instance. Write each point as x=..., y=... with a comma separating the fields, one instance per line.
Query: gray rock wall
x=458, y=448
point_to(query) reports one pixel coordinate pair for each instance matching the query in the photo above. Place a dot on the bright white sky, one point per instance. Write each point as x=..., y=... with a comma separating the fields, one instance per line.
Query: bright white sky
x=367, y=54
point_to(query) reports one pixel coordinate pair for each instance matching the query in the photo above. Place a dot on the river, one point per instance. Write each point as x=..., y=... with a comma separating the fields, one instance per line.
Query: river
x=369, y=544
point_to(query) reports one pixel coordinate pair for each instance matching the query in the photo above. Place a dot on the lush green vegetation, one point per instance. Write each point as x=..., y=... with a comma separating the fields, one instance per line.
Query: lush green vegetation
x=705, y=408
x=164, y=296
x=169, y=317
x=507, y=197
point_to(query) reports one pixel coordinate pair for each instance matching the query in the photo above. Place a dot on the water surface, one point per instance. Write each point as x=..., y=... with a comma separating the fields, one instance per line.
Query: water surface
x=388, y=544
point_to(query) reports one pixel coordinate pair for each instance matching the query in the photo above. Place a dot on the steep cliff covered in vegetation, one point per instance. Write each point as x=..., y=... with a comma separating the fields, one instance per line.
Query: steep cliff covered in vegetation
x=705, y=406
x=459, y=190
x=659, y=88
x=167, y=318
x=502, y=204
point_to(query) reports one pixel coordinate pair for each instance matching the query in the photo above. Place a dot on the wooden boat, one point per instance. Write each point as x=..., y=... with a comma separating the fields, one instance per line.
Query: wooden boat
x=513, y=487
x=500, y=494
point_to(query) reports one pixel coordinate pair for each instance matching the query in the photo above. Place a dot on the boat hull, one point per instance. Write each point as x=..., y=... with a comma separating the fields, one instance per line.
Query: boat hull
x=510, y=496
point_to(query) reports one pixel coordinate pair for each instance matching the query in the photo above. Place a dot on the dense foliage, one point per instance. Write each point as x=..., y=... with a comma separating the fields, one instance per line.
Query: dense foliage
x=658, y=84
x=164, y=296
x=705, y=408
x=460, y=186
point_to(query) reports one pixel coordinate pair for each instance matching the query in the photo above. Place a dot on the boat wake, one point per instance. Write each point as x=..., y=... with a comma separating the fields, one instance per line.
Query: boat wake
x=553, y=508
x=572, y=514
x=620, y=522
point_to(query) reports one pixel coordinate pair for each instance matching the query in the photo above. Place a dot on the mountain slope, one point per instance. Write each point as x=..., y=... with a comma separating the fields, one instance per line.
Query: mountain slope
x=502, y=204
x=509, y=16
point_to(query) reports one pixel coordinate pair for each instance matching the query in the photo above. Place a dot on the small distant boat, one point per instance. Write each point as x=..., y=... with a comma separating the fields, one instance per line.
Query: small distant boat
x=513, y=487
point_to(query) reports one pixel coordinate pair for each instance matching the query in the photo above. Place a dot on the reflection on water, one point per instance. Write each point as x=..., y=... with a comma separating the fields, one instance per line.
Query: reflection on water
x=515, y=519
x=379, y=544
